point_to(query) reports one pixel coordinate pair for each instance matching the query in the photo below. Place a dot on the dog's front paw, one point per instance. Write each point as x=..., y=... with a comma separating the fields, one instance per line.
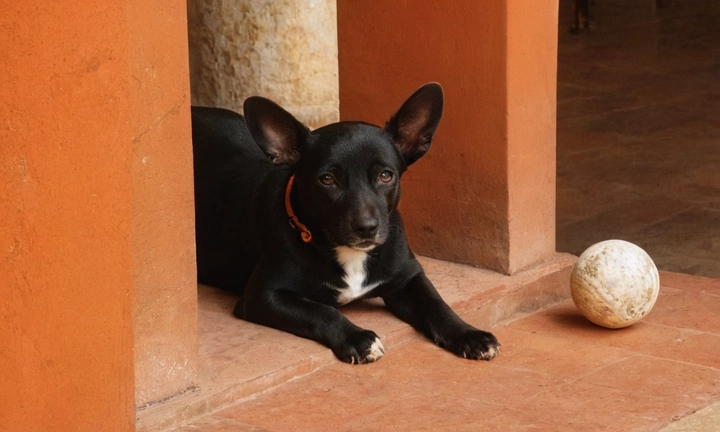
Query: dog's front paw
x=360, y=347
x=474, y=345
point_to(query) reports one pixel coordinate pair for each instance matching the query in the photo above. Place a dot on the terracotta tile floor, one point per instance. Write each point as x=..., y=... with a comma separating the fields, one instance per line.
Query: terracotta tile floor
x=639, y=131
x=556, y=372
x=240, y=360
x=639, y=159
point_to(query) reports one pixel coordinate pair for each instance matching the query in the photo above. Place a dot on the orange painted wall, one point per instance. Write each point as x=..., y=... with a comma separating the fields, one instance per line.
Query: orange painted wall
x=484, y=195
x=95, y=211
x=66, y=360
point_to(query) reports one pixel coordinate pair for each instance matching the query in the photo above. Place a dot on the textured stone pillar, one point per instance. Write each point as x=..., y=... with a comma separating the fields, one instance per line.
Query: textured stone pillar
x=285, y=50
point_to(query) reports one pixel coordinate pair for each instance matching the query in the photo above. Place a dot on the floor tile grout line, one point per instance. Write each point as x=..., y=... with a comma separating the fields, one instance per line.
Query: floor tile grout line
x=695, y=332
x=629, y=354
x=682, y=362
x=622, y=110
x=690, y=330
x=251, y=396
x=639, y=228
x=580, y=379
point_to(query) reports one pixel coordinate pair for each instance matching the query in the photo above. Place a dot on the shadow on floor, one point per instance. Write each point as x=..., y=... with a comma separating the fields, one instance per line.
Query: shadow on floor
x=639, y=131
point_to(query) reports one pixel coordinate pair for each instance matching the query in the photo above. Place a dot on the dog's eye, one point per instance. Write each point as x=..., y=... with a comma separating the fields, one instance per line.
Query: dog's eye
x=386, y=176
x=327, y=179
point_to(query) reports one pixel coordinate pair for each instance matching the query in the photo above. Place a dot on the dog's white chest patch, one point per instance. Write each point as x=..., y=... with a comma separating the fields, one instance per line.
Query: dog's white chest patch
x=353, y=263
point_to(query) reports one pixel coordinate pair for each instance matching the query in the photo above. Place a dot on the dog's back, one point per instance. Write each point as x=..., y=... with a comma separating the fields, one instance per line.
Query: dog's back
x=229, y=167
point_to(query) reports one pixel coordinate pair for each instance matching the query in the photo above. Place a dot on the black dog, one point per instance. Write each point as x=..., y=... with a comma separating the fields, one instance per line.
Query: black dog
x=339, y=186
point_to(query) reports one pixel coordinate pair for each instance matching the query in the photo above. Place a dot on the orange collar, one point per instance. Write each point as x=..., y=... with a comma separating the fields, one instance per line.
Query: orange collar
x=294, y=222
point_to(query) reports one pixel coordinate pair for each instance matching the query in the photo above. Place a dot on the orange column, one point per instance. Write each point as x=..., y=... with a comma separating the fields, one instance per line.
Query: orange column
x=163, y=224
x=95, y=208
x=531, y=130
x=485, y=194
x=66, y=360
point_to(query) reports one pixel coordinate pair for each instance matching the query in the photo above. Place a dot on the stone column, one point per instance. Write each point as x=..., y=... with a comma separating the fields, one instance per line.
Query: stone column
x=285, y=50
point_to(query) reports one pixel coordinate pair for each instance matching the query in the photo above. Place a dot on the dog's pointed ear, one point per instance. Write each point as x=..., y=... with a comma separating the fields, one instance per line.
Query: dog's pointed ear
x=415, y=123
x=276, y=131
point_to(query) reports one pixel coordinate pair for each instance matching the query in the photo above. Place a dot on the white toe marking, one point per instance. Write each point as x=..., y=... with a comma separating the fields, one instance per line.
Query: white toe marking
x=377, y=350
x=487, y=355
x=491, y=353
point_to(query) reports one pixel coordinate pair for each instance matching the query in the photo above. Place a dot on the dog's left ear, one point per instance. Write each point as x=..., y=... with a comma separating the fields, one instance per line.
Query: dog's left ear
x=415, y=123
x=275, y=130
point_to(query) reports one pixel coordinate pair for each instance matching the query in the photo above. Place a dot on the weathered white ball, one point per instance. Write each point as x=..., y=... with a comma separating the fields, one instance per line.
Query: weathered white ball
x=614, y=283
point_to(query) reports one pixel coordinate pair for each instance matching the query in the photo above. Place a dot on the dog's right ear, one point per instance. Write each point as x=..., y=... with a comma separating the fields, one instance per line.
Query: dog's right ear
x=415, y=123
x=275, y=130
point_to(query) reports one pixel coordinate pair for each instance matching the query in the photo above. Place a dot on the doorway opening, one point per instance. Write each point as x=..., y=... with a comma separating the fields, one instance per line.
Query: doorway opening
x=638, y=142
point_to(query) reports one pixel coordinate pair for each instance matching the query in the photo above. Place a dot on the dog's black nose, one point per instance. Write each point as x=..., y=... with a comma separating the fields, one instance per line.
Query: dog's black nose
x=365, y=227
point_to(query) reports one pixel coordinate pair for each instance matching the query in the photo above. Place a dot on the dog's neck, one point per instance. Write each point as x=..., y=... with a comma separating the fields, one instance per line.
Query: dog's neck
x=305, y=233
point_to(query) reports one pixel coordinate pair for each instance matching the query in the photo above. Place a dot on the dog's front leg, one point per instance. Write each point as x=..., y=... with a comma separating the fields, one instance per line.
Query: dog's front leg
x=420, y=305
x=288, y=312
